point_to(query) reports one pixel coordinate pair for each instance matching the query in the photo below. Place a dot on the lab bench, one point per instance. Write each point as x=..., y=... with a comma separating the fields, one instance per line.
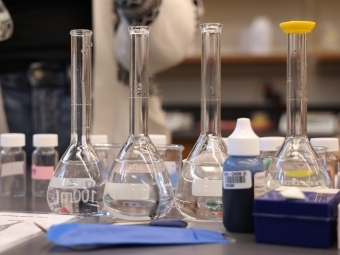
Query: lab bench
x=244, y=244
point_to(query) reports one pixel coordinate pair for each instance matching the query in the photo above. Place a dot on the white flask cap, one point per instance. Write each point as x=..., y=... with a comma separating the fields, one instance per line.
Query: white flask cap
x=332, y=144
x=270, y=143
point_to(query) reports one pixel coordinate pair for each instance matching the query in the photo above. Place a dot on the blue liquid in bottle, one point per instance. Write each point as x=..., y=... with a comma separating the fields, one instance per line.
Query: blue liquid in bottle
x=238, y=192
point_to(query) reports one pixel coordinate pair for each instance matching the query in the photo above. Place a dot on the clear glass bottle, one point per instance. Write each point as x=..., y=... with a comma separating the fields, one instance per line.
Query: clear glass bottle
x=198, y=194
x=13, y=165
x=78, y=182
x=268, y=148
x=296, y=162
x=44, y=161
x=138, y=186
x=332, y=146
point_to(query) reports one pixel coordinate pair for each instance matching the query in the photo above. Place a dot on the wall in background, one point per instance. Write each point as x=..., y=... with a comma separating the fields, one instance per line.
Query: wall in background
x=242, y=83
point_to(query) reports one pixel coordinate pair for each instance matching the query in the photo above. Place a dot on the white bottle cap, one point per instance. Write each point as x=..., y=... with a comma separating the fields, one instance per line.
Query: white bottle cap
x=271, y=143
x=99, y=139
x=158, y=139
x=12, y=140
x=243, y=141
x=332, y=144
x=45, y=140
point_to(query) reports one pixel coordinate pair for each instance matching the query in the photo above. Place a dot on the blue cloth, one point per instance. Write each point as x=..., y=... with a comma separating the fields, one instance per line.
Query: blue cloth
x=77, y=234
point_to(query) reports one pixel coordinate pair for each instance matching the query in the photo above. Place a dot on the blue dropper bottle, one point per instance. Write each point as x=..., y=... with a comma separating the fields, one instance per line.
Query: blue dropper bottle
x=238, y=178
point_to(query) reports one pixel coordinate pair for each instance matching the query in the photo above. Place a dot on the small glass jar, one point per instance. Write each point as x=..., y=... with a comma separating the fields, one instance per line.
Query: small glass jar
x=171, y=155
x=107, y=153
x=268, y=149
x=13, y=165
x=44, y=161
x=331, y=147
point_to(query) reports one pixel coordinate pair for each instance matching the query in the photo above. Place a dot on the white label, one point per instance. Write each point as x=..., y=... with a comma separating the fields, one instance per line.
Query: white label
x=320, y=191
x=259, y=184
x=128, y=191
x=171, y=166
x=12, y=168
x=237, y=179
x=207, y=188
x=72, y=183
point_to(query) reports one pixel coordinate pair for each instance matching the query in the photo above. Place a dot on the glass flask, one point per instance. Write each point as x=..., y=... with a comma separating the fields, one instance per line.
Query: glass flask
x=296, y=163
x=6, y=23
x=138, y=186
x=78, y=181
x=198, y=194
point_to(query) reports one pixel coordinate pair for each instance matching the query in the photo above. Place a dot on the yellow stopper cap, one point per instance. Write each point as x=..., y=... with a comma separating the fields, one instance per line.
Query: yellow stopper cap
x=297, y=27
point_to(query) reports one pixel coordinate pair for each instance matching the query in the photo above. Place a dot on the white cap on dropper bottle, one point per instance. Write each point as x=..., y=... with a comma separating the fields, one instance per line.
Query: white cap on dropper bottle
x=243, y=141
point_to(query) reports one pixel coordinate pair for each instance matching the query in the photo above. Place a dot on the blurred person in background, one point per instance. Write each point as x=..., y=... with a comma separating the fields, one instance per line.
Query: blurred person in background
x=35, y=62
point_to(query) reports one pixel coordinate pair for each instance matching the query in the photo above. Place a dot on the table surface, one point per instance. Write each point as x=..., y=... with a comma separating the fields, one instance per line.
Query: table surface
x=244, y=244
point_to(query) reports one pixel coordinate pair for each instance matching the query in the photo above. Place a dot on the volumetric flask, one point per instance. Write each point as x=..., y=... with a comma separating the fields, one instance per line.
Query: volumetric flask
x=198, y=194
x=296, y=163
x=138, y=186
x=78, y=181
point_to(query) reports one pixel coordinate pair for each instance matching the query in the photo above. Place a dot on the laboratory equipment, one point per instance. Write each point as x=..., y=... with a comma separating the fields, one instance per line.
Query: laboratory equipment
x=79, y=178
x=296, y=162
x=198, y=194
x=238, y=178
x=138, y=186
x=171, y=155
x=6, y=23
x=44, y=161
x=309, y=222
x=332, y=146
x=13, y=165
x=107, y=152
x=268, y=148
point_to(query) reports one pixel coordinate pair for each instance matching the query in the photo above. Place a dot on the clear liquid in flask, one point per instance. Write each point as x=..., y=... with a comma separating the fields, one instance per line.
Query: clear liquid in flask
x=199, y=191
x=73, y=191
x=135, y=192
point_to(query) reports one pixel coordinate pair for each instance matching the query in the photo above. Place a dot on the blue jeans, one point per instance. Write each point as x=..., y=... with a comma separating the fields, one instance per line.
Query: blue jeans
x=37, y=101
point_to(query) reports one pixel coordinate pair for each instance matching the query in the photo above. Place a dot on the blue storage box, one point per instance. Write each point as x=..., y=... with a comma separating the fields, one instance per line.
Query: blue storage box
x=310, y=222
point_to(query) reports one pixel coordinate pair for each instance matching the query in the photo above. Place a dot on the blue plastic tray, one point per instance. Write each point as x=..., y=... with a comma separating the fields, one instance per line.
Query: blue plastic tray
x=310, y=223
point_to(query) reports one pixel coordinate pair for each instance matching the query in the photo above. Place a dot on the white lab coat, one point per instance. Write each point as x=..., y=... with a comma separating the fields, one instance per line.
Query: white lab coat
x=170, y=37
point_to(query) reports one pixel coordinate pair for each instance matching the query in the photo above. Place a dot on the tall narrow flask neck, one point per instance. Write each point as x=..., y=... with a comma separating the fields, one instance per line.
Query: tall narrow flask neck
x=81, y=58
x=296, y=85
x=211, y=79
x=139, y=79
